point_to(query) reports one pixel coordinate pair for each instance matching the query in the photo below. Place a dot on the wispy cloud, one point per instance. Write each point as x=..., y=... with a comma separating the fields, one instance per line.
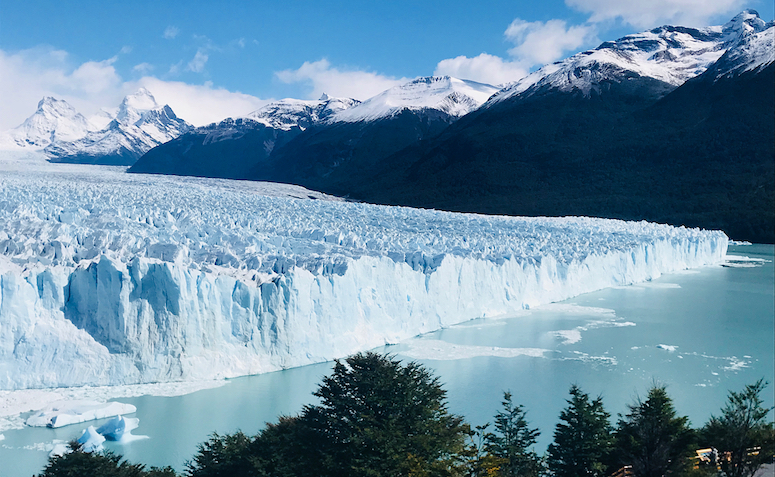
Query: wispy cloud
x=321, y=77
x=653, y=13
x=171, y=32
x=483, y=68
x=537, y=43
x=197, y=64
x=143, y=68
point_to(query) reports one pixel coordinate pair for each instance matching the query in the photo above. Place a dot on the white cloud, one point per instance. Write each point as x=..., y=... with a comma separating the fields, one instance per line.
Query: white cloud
x=31, y=74
x=126, y=49
x=321, y=78
x=535, y=44
x=654, y=13
x=143, y=68
x=95, y=76
x=483, y=68
x=198, y=104
x=171, y=32
x=197, y=64
x=28, y=75
x=539, y=43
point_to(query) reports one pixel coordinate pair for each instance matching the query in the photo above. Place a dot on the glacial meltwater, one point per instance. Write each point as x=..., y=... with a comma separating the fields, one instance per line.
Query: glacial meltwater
x=701, y=333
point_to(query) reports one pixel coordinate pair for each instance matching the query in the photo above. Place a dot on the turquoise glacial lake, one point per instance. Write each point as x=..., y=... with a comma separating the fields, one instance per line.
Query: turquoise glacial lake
x=701, y=333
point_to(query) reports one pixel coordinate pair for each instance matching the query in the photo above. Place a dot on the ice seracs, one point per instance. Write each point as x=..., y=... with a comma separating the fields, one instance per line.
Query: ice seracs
x=106, y=281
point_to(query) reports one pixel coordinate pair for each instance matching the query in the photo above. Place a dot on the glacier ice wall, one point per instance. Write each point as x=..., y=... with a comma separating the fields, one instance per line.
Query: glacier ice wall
x=112, y=279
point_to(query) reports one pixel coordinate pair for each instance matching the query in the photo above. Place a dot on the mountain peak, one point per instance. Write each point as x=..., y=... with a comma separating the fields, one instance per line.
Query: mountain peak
x=744, y=23
x=427, y=92
x=54, y=119
x=142, y=100
x=670, y=54
x=58, y=107
x=134, y=105
x=324, y=97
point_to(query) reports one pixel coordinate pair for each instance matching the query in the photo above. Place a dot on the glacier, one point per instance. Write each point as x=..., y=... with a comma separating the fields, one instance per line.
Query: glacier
x=108, y=278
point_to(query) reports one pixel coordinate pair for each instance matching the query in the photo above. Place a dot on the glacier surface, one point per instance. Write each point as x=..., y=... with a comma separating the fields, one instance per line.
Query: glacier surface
x=108, y=278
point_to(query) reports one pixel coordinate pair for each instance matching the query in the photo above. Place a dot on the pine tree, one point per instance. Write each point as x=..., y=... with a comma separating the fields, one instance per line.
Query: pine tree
x=740, y=429
x=77, y=462
x=379, y=417
x=512, y=441
x=652, y=438
x=582, y=439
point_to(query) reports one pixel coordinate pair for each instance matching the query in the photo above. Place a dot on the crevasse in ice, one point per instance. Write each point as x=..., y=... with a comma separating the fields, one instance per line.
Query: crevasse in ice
x=116, y=280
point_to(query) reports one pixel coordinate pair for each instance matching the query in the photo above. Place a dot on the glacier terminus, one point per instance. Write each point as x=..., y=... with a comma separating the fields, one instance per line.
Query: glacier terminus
x=108, y=278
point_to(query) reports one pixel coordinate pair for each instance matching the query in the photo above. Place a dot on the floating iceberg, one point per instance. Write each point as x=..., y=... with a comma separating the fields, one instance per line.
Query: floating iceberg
x=120, y=429
x=65, y=413
x=107, y=279
x=91, y=440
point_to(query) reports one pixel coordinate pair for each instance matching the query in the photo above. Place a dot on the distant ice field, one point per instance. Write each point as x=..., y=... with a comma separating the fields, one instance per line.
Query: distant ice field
x=108, y=278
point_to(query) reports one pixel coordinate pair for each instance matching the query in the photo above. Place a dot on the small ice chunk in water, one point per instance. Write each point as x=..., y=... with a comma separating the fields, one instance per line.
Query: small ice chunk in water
x=120, y=429
x=91, y=440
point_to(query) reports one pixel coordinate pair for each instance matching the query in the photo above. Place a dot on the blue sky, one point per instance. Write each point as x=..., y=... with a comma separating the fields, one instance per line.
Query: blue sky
x=213, y=59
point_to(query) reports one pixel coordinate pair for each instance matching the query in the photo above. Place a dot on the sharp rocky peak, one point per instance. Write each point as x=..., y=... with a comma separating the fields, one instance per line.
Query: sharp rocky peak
x=745, y=22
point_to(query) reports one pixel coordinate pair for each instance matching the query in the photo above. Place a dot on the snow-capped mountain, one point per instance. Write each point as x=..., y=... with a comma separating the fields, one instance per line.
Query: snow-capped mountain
x=645, y=127
x=241, y=143
x=669, y=54
x=452, y=96
x=356, y=141
x=754, y=52
x=54, y=120
x=289, y=113
x=139, y=125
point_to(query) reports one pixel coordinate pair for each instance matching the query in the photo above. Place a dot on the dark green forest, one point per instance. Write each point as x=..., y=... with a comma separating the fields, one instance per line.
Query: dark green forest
x=380, y=417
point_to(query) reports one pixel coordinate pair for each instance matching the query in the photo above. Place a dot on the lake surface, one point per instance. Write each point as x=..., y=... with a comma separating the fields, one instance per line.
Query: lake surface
x=701, y=333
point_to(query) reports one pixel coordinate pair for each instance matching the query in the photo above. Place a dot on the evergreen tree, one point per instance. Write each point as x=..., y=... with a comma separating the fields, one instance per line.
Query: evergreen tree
x=582, y=439
x=742, y=430
x=512, y=441
x=652, y=438
x=378, y=417
x=479, y=462
x=223, y=456
x=78, y=463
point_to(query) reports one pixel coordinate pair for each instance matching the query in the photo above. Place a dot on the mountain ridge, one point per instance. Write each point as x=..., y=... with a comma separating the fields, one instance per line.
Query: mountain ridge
x=64, y=135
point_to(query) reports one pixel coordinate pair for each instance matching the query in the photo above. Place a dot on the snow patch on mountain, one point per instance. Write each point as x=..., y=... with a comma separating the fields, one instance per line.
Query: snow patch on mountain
x=290, y=113
x=754, y=52
x=102, y=118
x=453, y=96
x=120, y=280
x=671, y=54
